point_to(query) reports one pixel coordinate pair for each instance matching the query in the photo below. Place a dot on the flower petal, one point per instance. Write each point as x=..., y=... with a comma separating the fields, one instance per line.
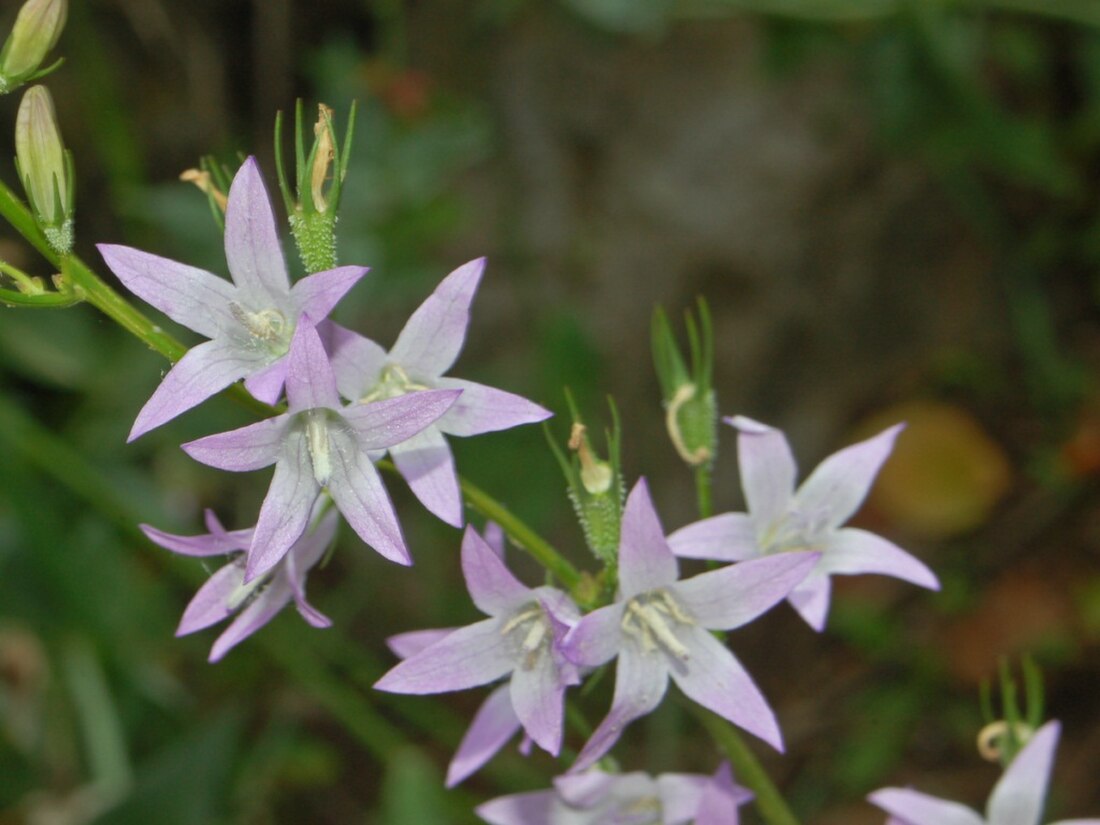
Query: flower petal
x=310, y=382
x=473, y=655
x=680, y=795
x=207, y=544
x=645, y=560
x=720, y=799
x=317, y=294
x=837, y=486
x=767, y=467
x=381, y=424
x=735, y=595
x=1018, y=797
x=640, y=683
x=726, y=537
x=494, y=724
x=252, y=246
x=533, y=808
x=204, y=370
x=426, y=463
x=246, y=448
x=256, y=614
x=714, y=678
x=851, y=551
x=434, y=334
x=483, y=409
x=193, y=297
x=305, y=553
x=538, y=697
x=811, y=599
x=211, y=603
x=357, y=361
x=360, y=495
x=916, y=808
x=596, y=638
x=267, y=384
x=409, y=644
x=492, y=586
x=284, y=515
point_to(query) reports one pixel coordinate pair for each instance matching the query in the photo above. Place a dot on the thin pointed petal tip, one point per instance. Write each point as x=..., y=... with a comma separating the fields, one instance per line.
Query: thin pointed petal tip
x=747, y=425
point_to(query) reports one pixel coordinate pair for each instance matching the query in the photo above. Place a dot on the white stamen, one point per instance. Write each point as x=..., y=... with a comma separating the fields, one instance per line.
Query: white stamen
x=266, y=325
x=393, y=383
x=644, y=619
x=320, y=449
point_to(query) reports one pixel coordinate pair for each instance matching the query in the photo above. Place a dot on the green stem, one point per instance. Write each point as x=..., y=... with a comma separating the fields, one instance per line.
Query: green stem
x=43, y=300
x=528, y=539
x=747, y=770
x=703, y=491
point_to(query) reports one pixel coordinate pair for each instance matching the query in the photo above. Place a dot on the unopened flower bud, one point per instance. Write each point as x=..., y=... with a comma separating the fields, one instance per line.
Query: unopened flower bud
x=36, y=30
x=45, y=167
x=323, y=155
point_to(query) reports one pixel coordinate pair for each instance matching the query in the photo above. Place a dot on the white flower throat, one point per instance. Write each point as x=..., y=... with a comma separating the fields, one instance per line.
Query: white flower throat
x=268, y=327
x=393, y=382
x=532, y=625
x=796, y=530
x=647, y=618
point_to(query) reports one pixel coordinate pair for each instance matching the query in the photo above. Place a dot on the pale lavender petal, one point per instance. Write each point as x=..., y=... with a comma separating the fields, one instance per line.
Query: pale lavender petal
x=494, y=724
x=916, y=808
x=714, y=678
x=721, y=798
x=483, y=409
x=1018, y=797
x=409, y=644
x=538, y=699
x=645, y=560
x=680, y=795
x=589, y=789
x=267, y=384
x=246, y=448
x=203, y=371
x=426, y=463
x=837, y=487
x=767, y=468
x=214, y=525
x=381, y=424
x=811, y=599
x=306, y=552
x=255, y=615
x=252, y=246
x=204, y=545
x=727, y=537
x=851, y=551
x=738, y=593
x=434, y=334
x=310, y=382
x=193, y=297
x=640, y=683
x=317, y=294
x=473, y=655
x=596, y=638
x=285, y=512
x=492, y=586
x=211, y=603
x=357, y=361
x=534, y=808
x=494, y=537
x=360, y=495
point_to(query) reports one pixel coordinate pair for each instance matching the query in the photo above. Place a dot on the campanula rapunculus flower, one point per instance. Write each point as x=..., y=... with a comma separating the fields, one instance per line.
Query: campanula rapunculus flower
x=782, y=519
x=521, y=638
x=315, y=445
x=660, y=627
x=598, y=798
x=256, y=603
x=426, y=349
x=1017, y=799
x=249, y=321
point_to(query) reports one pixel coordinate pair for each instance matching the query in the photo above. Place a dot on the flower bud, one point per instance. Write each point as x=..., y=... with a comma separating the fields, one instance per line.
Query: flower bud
x=36, y=30
x=45, y=167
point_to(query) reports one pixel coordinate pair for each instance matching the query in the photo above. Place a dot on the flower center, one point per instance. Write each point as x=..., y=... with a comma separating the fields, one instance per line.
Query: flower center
x=796, y=530
x=532, y=627
x=320, y=446
x=647, y=618
x=642, y=811
x=392, y=383
x=268, y=327
x=243, y=593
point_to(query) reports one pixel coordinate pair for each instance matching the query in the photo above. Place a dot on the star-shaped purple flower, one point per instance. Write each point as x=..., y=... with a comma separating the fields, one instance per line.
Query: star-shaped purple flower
x=257, y=602
x=249, y=321
x=597, y=798
x=426, y=349
x=781, y=519
x=1017, y=798
x=318, y=444
x=521, y=638
x=660, y=627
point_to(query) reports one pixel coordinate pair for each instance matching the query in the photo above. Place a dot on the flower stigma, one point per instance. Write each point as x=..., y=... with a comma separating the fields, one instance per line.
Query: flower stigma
x=393, y=383
x=532, y=622
x=267, y=325
x=320, y=447
x=647, y=617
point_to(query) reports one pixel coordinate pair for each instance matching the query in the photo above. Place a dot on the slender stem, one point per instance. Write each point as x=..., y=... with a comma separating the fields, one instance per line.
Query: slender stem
x=703, y=491
x=43, y=300
x=747, y=769
x=528, y=539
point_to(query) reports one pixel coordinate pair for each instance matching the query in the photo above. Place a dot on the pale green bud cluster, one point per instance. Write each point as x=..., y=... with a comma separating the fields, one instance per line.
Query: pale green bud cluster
x=36, y=30
x=45, y=167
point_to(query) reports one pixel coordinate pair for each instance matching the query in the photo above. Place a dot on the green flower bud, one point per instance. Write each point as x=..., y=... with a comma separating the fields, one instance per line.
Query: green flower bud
x=36, y=30
x=45, y=167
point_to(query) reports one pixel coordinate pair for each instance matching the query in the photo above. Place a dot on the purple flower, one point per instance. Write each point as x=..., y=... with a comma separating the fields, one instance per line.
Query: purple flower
x=660, y=627
x=1017, y=799
x=316, y=445
x=250, y=322
x=256, y=602
x=521, y=638
x=597, y=798
x=782, y=519
x=426, y=349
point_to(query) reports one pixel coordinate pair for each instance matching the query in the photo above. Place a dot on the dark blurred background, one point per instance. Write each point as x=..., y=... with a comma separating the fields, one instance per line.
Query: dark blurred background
x=891, y=207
